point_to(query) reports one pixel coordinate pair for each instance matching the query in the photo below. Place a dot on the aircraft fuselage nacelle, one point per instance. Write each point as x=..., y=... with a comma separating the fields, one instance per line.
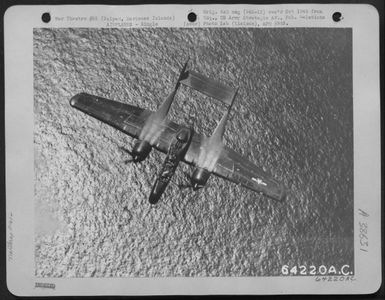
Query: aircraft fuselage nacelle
x=199, y=178
x=140, y=151
x=176, y=152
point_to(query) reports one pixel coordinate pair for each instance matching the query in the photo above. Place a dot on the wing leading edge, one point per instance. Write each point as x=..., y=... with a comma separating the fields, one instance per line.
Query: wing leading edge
x=235, y=168
x=131, y=119
x=124, y=117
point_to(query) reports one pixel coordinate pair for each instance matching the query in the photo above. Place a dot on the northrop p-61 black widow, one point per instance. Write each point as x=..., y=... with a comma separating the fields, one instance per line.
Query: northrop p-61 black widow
x=208, y=155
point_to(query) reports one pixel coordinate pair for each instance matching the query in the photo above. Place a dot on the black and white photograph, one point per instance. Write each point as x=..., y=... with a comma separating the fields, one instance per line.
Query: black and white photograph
x=192, y=149
x=193, y=152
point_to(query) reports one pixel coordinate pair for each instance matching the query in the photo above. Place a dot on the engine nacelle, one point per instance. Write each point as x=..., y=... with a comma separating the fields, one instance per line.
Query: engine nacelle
x=199, y=178
x=140, y=151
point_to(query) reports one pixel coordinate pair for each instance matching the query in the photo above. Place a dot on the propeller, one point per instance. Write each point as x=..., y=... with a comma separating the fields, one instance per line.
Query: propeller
x=189, y=186
x=126, y=150
x=127, y=161
x=184, y=186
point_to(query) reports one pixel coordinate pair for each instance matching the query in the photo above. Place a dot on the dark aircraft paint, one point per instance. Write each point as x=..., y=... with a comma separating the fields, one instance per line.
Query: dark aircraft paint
x=199, y=178
x=295, y=85
x=176, y=152
x=140, y=151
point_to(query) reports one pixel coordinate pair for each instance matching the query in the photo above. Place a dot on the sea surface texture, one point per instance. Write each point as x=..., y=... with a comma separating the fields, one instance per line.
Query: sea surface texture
x=293, y=116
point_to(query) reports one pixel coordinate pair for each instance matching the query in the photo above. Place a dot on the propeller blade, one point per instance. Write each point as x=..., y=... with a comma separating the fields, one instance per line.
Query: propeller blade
x=187, y=175
x=126, y=150
x=127, y=161
x=184, y=186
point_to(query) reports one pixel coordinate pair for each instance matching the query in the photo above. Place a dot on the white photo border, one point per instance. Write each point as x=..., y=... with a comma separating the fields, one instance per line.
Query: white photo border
x=19, y=22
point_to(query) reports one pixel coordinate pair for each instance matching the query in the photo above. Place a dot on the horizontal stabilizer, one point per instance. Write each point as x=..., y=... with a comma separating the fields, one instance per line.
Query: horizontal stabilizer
x=208, y=86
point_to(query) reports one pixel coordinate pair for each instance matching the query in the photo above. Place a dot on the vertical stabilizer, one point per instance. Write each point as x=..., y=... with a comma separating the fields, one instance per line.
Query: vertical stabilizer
x=183, y=72
x=165, y=106
x=233, y=100
x=220, y=130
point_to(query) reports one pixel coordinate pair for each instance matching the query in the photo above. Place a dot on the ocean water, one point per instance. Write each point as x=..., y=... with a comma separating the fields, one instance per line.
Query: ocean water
x=293, y=116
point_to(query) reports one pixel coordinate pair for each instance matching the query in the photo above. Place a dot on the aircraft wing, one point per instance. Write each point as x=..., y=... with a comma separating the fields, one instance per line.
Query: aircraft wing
x=233, y=167
x=124, y=117
x=131, y=119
